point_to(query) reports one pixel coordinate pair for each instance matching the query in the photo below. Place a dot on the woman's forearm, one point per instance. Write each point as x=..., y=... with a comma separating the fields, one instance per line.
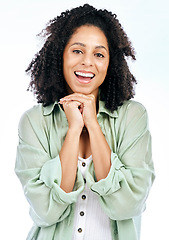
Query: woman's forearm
x=100, y=151
x=69, y=159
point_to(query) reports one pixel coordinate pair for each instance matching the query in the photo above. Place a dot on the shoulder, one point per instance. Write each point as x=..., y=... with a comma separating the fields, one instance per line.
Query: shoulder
x=33, y=118
x=33, y=114
x=132, y=112
x=132, y=107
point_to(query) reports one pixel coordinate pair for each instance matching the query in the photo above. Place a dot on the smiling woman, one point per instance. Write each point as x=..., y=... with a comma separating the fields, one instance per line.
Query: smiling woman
x=86, y=60
x=85, y=163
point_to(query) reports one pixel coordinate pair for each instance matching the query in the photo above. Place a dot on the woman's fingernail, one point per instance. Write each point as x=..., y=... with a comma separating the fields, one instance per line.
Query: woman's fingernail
x=61, y=100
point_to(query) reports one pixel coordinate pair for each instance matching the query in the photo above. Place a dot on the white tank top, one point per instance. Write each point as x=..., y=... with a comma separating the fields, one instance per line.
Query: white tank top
x=90, y=223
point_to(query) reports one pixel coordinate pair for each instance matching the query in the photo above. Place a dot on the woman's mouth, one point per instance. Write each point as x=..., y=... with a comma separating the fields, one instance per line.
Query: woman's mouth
x=84, y=77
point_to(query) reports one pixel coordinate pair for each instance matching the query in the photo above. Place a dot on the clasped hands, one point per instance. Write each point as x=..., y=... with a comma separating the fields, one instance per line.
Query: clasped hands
x=80, y=110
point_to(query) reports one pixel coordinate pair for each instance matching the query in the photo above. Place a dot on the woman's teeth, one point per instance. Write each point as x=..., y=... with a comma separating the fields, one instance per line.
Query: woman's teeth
x=87, y=75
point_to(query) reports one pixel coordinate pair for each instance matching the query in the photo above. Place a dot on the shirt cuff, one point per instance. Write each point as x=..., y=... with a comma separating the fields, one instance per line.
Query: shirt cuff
x=108, y=185
x=51, y=174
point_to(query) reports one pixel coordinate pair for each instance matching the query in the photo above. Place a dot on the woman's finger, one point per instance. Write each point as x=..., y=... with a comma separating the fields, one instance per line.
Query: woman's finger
x=78, y=97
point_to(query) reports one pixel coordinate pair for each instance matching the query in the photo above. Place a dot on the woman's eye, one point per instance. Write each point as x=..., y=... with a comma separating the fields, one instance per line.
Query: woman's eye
x=99, y=55
x=77, y=51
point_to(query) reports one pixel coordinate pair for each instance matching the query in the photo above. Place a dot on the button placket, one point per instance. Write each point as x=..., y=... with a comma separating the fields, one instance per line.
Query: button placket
x=82, y=213
x=82, y=203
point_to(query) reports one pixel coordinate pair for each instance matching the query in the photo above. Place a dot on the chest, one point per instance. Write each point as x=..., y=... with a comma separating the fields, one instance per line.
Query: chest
x=84, y=145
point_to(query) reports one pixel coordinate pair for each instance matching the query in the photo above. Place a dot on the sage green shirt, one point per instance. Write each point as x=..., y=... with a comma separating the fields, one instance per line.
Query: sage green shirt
x=122, y=194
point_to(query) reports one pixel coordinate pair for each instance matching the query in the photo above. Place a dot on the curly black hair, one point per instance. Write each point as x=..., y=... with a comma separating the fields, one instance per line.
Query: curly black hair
x=46, y=69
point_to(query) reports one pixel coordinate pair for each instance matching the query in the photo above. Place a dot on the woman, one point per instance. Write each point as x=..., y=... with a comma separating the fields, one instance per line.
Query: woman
x=85, y=162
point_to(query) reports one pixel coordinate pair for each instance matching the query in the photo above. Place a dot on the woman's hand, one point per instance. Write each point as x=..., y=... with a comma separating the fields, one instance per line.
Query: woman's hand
x=73, y=114
x=80, y=107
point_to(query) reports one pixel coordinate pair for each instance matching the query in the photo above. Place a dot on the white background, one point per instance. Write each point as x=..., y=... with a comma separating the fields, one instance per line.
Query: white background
x=146, y=23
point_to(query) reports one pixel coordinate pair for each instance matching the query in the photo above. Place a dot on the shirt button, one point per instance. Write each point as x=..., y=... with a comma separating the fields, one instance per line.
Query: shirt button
x=84, y=180
x=79, y=230
x=81, y=213
x=83, y=164
x=83, y=197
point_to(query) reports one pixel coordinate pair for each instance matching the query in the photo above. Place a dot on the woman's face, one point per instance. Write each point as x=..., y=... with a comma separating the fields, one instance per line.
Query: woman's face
x=86, y=60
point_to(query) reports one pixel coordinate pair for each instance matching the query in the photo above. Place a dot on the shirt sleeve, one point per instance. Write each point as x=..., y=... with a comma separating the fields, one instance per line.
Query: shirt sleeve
x=124, y=191
x=40, y=176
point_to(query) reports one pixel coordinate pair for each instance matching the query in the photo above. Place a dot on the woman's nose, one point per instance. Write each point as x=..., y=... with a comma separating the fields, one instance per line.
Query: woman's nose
x=87, y=60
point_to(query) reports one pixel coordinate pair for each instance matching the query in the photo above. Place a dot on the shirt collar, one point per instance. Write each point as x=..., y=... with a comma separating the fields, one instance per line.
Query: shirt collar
x=102, y=109
x=49, y=109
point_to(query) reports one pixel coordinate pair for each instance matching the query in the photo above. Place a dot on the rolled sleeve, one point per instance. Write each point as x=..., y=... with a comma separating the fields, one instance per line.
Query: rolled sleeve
x=108, y=185
x=53, y=181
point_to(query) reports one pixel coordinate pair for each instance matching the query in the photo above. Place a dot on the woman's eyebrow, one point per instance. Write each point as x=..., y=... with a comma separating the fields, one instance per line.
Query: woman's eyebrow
x=83, y=45
x=101, y=47
x=79, y=43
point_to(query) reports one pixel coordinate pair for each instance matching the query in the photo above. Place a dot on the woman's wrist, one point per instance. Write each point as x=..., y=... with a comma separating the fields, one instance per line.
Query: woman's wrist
x=93, y=127
x=74, y=131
